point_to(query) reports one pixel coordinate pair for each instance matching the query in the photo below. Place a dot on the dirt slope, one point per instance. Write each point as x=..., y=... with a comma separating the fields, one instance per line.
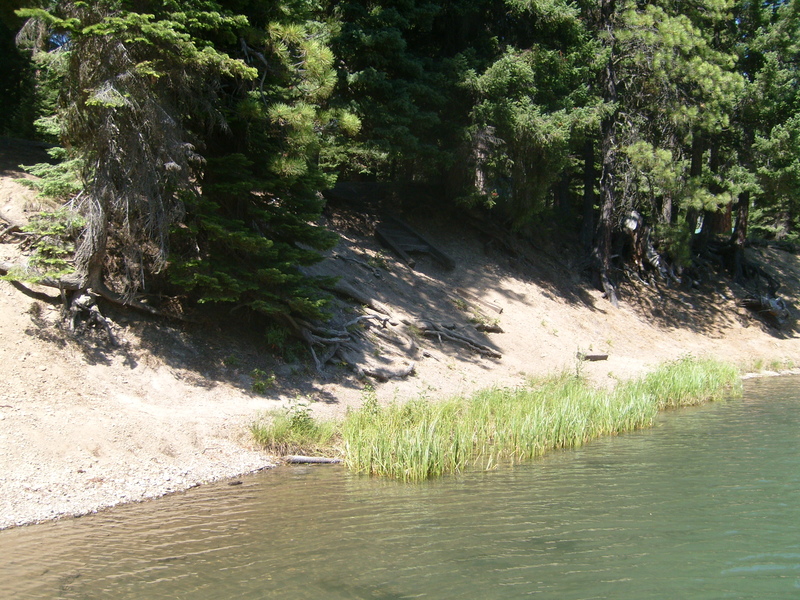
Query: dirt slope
x=84, y=425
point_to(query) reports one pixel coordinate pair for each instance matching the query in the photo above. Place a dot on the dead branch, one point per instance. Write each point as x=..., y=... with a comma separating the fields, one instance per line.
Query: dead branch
x=383, y=320
x=591, y=357
x=12, y=228
x=440, y=332
x=384, y=374
x=375, y=270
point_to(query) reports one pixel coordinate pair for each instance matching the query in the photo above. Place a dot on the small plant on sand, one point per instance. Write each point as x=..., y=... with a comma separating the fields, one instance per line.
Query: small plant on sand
x=232, y=361
x=780, y=364
x=479, y=319
x=379, y=260
x=460, y=304
x=262, y=381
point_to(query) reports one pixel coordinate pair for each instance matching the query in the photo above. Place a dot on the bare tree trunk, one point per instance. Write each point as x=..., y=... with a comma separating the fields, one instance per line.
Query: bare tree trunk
x=91, y=254
x=740, y=235
x=715, y=222
x=666, y=209
x=608, y=177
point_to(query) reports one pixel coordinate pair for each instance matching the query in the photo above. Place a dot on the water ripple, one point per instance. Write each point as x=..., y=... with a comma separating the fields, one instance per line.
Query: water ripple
x=703, y=506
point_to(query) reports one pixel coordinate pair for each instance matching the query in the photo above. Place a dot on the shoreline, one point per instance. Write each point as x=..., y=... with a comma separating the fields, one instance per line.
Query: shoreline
x=82, y=492
x=75, y=497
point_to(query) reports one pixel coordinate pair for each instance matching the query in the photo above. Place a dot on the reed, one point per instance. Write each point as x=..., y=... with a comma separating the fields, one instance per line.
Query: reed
x=294, y=431
x=422, y=439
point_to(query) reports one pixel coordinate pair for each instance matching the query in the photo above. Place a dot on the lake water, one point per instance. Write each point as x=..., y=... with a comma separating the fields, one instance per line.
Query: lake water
x=705, y=505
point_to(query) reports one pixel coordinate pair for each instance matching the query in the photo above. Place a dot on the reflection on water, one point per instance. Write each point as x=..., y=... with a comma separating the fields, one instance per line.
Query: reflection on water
x=706, y=505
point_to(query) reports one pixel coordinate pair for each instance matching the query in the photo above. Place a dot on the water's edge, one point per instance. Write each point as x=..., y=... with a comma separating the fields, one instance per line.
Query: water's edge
x=230, y=476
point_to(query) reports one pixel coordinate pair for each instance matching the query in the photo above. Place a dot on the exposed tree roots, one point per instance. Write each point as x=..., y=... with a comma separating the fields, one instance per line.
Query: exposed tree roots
x=449, y=333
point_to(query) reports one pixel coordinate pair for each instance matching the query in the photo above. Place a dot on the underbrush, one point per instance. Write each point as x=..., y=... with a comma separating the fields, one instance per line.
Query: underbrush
x=421, y=439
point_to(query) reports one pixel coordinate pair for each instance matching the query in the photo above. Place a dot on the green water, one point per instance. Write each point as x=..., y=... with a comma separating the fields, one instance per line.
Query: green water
x=706, y=505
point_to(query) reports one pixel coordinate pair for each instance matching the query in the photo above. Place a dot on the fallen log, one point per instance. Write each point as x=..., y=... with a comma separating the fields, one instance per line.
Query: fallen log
x=592, y=357
x=310, y=460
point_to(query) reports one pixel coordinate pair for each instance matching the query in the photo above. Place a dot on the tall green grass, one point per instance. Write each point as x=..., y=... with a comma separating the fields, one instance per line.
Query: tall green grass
x=420, y=439
x=294, y=431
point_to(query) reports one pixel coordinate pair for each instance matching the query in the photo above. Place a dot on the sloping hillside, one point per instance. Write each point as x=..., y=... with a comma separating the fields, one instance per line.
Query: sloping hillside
x=86, y=424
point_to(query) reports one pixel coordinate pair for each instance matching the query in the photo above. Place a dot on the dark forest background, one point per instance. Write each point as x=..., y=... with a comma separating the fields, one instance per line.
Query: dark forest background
x=190, y=140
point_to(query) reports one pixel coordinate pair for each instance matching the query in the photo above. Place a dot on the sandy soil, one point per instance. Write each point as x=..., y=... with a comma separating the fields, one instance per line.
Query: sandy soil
x=84, y=425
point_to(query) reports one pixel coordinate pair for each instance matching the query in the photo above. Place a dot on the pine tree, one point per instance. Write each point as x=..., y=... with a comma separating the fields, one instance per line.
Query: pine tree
x=775, y=121
x=200, y=127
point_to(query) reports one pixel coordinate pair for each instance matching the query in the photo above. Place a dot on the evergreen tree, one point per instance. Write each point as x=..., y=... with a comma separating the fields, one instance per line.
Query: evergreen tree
x=531, y=108
x=200, y=125
x=774, y=106
x=671, y=85
x=396, y=76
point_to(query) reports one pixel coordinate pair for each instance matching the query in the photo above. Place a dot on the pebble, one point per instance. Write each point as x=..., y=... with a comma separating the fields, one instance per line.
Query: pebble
x=46, y=494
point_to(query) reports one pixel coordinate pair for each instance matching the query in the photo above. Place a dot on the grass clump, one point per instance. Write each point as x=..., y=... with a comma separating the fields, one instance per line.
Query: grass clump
x=420, y=439
x=294, y=431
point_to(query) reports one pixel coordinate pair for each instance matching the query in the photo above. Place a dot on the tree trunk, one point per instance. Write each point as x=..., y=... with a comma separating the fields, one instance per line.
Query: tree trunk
x=666, y=210
x=589, y=179
x=715, y=222
x=562, y=197
x=608, y=176
x=740, y=235
x=695, y=171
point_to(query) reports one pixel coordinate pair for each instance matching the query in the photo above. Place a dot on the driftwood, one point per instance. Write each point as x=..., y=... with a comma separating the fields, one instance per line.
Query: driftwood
x=374, y=270
x=296, y=459
x=774, y=310
x=347, y=290
x=12, y=228
x=592, y=357
x=386, y=238
x=383, y=374
x=441, y=332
